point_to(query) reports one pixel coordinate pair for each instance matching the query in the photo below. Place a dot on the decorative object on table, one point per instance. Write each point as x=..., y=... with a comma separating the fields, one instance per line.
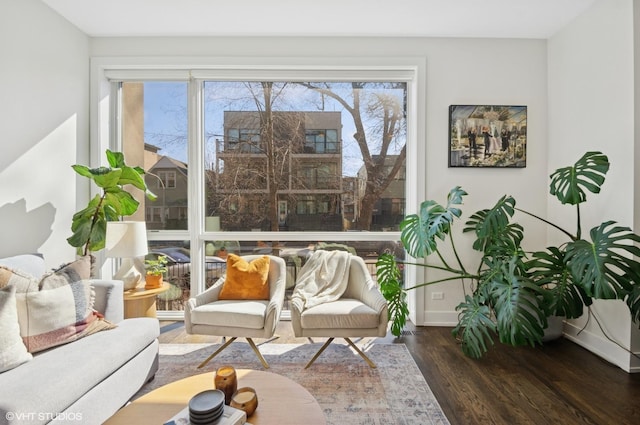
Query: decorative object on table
x=155, y=269
x=487, y=136
x=89, y=225
x=245, y=399
x=230, y=416
x=515, y=292
x=226, y=381
x=206, y=407
x=127, y=240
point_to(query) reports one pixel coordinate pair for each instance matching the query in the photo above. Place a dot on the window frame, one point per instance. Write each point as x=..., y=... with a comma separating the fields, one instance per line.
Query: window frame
x=106, y=72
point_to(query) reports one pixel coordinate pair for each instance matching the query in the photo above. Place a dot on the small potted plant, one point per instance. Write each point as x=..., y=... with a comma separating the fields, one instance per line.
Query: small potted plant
x=155, y=268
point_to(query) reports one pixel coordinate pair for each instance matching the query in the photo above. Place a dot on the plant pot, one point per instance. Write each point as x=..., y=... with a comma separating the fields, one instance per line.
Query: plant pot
x=153, y=281
x=555, y=328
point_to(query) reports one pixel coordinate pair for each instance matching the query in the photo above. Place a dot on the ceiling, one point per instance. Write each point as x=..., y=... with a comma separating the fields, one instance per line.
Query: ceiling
x=387, y=18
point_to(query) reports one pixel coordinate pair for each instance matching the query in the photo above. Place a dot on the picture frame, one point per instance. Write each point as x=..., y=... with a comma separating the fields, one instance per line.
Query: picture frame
x=487, y=136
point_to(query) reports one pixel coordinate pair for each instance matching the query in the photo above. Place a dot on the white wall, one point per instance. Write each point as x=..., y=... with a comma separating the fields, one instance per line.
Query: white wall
x=44, y=120
x=591, y=107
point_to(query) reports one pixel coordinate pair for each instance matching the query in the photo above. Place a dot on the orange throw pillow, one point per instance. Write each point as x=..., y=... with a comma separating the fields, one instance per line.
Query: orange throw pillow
x=246, y=280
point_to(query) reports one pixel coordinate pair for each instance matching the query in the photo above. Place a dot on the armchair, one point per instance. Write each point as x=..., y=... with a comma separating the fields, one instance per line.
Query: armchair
x=206, y=314
x=361, y=311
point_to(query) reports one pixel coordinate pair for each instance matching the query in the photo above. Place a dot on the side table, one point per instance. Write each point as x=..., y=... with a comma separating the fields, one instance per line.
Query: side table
x=140, y=302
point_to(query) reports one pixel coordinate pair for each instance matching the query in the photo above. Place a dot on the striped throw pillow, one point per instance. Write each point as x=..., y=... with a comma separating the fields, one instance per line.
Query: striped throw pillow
x=57, y=308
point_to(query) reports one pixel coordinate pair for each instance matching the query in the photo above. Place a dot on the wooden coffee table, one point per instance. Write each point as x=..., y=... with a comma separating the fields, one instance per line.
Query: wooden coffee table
x=281, y=401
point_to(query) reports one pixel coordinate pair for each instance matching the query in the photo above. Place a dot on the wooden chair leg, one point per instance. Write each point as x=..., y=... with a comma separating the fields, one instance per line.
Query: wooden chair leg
x=364, y=356
x=215, y=353
x=326, y=344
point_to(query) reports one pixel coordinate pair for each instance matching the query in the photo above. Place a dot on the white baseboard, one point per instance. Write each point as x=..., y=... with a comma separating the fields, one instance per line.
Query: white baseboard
x=600, y=346
x=439, y=318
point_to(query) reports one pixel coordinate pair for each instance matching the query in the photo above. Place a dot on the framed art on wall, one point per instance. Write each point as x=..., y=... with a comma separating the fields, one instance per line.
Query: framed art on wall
x=487, y=136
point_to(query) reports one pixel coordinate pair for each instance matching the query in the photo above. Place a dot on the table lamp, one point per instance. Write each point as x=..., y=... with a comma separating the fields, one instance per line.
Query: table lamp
x=127, y=240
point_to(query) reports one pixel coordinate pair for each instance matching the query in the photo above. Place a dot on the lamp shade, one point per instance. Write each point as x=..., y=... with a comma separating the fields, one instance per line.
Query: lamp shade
x=126, y=239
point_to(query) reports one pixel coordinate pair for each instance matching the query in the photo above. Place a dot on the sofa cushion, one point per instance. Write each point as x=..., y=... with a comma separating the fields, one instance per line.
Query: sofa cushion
x=246, y=280
x=56, y=378
x=12, y=350
x=56, y=309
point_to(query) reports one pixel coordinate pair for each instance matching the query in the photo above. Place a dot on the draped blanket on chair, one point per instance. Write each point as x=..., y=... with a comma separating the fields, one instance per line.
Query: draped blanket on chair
x=323, y=278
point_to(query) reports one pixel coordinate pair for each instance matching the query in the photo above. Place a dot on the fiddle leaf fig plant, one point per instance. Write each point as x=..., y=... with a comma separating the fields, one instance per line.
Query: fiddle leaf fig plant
x=89, y=225
x=513, y=291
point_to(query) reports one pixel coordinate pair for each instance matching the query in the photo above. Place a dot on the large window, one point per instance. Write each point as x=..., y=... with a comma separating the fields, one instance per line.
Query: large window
x=282, y=167
x=269, y=139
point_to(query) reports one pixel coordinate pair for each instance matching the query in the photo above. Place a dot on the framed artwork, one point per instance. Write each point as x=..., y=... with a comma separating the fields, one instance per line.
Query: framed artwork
x=487, y=136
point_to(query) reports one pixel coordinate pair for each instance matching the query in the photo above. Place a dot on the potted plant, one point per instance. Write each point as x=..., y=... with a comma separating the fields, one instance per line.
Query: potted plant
x=155, y=268
x=513, y=291
x=89, y=225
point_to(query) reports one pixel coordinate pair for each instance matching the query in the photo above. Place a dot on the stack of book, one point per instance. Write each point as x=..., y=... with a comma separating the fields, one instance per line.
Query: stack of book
x=231, y=416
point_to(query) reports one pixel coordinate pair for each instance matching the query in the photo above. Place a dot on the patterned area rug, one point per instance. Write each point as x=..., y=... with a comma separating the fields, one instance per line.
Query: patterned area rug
x=347, y=389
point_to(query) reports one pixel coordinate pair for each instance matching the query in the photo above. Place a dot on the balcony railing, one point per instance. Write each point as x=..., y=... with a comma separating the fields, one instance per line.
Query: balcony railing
x=180, y=280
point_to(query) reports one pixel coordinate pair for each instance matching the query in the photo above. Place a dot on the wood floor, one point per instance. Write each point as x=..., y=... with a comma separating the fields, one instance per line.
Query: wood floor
x=559, y=383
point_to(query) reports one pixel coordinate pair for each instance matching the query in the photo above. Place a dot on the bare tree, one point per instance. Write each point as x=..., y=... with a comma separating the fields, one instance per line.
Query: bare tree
x=258, y=166
x=258, y=169
x=386, y=115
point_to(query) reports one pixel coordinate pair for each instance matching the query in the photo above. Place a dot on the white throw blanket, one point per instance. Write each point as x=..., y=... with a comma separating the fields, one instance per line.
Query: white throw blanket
x=323, y=278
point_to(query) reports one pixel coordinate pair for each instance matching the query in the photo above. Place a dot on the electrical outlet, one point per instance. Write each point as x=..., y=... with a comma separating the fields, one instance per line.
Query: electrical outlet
x=437, y=295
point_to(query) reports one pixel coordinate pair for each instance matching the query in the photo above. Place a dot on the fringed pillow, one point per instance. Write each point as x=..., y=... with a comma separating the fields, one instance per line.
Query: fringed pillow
x=58, y=308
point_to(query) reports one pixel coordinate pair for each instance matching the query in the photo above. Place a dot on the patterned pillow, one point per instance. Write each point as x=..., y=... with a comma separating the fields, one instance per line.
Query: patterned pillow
x=246, y=280
x=12, y=350
x=56, y=309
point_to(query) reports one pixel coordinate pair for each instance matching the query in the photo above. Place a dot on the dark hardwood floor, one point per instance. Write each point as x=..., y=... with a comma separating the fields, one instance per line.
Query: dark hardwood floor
x=558, y=383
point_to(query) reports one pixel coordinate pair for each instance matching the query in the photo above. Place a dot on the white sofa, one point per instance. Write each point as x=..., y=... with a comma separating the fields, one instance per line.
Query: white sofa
x=85, y=381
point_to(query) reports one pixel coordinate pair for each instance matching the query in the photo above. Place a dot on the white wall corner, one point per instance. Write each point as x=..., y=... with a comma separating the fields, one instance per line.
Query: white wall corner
x=600, y=346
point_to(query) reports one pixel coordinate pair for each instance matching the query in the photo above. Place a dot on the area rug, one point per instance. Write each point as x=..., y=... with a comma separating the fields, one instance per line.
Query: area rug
x=347, y=389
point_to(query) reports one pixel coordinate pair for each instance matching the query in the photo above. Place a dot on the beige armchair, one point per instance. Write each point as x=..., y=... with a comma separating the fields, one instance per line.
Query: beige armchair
x=361, y=311
x=205, y=314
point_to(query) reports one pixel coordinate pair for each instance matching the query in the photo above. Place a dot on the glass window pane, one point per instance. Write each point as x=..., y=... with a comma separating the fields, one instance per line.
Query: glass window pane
x=295, y=255
x=154, y=133
x=266, y=143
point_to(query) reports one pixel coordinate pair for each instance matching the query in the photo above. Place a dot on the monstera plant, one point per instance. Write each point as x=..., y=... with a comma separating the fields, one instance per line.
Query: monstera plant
x=513, y=292
x=89, y=225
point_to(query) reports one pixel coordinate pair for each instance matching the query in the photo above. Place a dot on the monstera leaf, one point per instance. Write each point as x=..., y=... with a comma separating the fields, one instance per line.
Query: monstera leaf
x=419, y=231
x=389, y=276
x=550, y=271
x=516, y=300
x=490, y=224
x=475, y=326
x=570, y=184
x=604, y=267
